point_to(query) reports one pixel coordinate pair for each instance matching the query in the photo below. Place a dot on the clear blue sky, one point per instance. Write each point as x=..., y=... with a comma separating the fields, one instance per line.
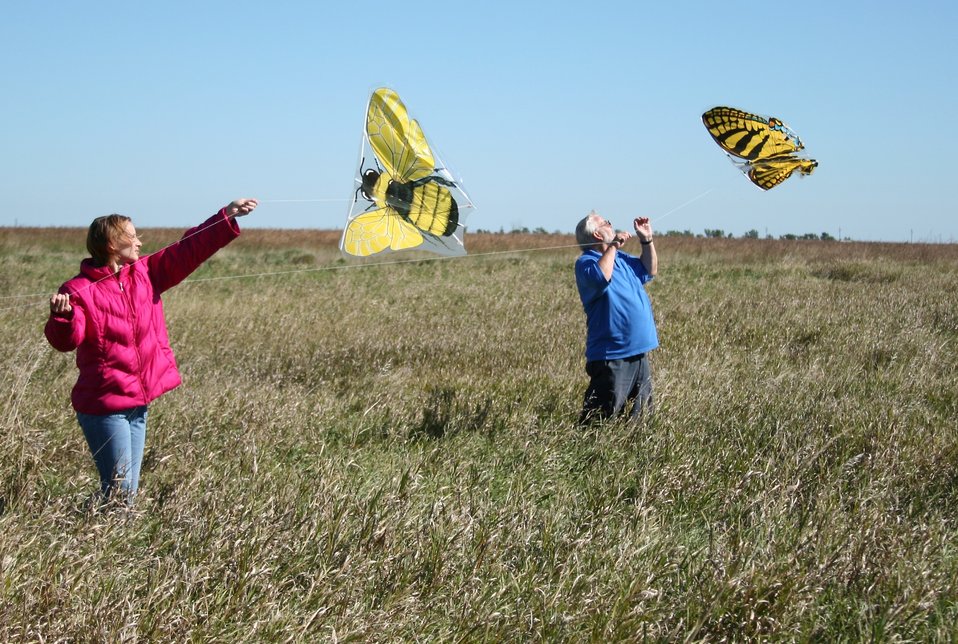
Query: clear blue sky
x=164, y=111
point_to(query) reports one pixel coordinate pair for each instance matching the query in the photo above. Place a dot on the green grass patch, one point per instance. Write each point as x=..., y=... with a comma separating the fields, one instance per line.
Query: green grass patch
x=389, y=452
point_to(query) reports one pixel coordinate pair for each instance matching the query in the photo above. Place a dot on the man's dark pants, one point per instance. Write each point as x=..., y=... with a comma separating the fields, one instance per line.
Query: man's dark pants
x=614, y=384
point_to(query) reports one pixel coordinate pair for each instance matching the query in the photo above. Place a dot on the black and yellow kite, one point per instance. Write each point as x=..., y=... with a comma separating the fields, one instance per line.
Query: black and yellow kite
x=405, y=197
x=764, y=148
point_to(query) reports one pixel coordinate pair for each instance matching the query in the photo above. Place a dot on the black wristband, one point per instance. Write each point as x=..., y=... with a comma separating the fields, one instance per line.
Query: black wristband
x=645, y=243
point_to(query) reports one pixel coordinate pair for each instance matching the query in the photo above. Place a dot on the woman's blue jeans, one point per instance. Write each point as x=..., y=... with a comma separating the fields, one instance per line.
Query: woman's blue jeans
x=116, y=442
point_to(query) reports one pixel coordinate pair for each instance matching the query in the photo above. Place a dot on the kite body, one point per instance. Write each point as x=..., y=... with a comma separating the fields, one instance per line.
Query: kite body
x=409, y=199
x=764, y=148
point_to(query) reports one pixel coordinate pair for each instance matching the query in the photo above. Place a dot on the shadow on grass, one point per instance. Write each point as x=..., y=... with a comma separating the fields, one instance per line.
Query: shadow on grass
x=444, y=413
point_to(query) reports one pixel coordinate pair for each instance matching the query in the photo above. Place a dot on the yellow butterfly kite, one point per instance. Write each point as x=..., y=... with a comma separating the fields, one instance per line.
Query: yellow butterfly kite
x=405, y=198
x=765, y=147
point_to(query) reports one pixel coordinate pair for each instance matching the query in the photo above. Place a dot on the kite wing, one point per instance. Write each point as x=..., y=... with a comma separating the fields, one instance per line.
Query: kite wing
x=405, y=197
x=764, y=148
x=749, y=136
x=379, y=230
x=397, y=140
x=770, y=173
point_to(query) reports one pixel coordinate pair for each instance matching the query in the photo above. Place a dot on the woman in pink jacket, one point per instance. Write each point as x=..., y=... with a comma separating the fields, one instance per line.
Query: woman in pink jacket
x=112, y=314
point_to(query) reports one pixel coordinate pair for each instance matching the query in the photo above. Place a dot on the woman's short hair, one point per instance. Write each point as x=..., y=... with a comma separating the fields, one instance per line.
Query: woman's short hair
x=103, y=230
x=584, y=231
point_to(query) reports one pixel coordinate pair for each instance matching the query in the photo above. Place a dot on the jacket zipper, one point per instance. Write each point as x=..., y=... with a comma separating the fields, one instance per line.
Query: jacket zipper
x=136, y=345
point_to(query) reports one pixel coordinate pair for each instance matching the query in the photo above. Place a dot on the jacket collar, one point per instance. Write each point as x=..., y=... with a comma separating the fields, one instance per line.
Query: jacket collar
x=90, y=270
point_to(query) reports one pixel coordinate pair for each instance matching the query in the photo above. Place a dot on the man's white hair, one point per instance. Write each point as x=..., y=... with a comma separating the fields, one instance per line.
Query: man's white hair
x=585, y=229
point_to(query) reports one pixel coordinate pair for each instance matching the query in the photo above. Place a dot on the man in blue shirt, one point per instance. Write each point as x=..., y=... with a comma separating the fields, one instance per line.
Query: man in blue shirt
x=621, y=329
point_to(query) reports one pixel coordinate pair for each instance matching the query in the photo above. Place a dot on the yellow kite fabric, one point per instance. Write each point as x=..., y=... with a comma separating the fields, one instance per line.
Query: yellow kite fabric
x=406, y=198
x=764, y=148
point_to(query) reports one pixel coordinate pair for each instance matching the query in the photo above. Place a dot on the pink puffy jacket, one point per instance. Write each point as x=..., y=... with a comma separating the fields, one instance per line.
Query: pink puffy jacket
x=117, y=325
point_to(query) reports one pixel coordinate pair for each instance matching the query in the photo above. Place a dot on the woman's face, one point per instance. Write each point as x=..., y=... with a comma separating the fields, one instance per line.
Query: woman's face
x=126, y=249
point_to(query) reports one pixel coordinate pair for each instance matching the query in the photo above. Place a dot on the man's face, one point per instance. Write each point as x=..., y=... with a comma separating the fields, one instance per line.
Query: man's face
x=604, y=229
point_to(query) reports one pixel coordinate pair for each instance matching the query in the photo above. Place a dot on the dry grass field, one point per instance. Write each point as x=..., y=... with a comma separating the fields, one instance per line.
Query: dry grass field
x=388, y=452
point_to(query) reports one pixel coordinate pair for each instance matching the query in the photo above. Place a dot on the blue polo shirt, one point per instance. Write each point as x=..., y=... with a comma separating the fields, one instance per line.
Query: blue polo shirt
x=618, y=312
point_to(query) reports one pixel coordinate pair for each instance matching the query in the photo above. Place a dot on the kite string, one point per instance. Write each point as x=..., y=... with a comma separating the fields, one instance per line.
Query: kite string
x=330, y=268
x=679, y=207
x=326, y=268
x=417, y=260
x=428, y=259
x=198, y=230
x=301, y=200
x=185, y=237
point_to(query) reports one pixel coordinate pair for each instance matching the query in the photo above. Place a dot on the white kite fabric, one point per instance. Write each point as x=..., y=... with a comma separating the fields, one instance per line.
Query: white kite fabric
x=405, y=197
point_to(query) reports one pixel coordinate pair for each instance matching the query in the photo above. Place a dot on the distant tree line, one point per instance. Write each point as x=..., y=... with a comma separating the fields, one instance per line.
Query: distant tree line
x=715, y=233
x=520, y=231
x=718, y=233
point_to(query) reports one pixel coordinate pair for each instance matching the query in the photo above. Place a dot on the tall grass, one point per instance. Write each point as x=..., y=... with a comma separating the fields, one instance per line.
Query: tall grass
x=389, y=452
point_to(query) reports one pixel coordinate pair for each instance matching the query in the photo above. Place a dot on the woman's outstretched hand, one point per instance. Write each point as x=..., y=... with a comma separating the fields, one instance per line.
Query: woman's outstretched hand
x=241, y=207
